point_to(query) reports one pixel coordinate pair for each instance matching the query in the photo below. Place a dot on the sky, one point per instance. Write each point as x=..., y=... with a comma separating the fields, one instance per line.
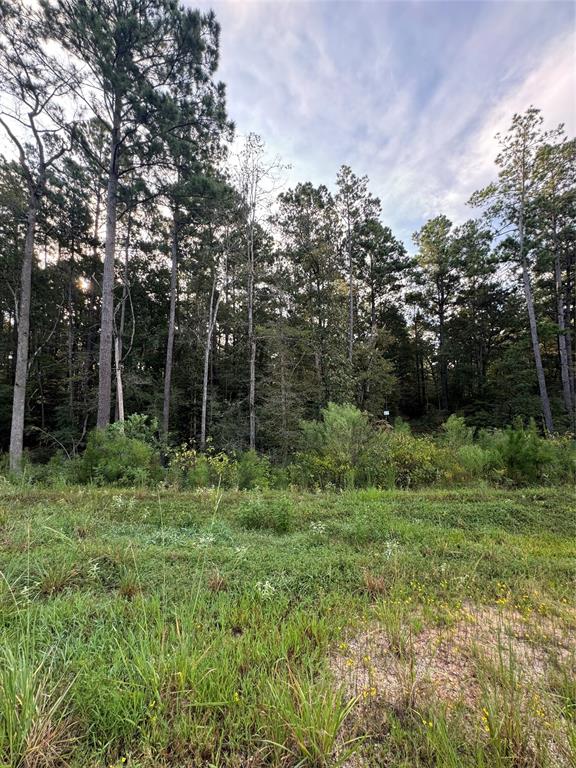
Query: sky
x=409, y=93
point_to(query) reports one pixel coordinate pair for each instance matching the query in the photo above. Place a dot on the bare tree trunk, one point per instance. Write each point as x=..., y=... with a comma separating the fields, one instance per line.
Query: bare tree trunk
x=570, y=322
x=350, y=298
x=562, y=345
x=107, y=309
x=70, y=340
x=22, y=347
x=120, y=332
x=171, y=328
x=283, y=401
x=442, y=350
x=97, y=219
x=251, y=343
x=545, y=402
x=119, y=387
x=548, y=422
x=212, y=315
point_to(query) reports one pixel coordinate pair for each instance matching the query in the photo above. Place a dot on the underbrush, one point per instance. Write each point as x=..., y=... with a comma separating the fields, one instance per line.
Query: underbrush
x=342, y=450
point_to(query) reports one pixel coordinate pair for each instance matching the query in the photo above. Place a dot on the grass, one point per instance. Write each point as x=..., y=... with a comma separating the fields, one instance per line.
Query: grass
x=367, y=628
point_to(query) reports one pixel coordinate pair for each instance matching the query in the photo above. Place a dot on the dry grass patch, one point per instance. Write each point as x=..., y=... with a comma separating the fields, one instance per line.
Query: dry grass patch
x=390, y=663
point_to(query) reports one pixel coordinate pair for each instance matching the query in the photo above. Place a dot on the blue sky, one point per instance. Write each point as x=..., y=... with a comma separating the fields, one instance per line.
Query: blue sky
x=410, y=93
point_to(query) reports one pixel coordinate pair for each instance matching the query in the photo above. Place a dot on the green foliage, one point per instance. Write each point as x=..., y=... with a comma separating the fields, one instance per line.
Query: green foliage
x=343, y=451
x=413, y=460
x=341, y=434
x=190, y=468
x=456, y=433
x=333, y=447
x=138, y=426
x=113, y=457
x=528, y=458
x=253, y=471
x=136, y=626
x=267, y=515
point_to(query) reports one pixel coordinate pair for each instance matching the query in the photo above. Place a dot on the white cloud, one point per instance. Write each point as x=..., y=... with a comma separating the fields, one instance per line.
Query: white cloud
x=410, y=93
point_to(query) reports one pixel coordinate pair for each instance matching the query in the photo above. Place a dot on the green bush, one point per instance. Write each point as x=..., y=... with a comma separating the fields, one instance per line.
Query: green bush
x=477, y=462
x=456, y=433
x=310, y=470
x=253, y=471
x=267, y=514
x=414, y=460
x=113, y=457
x=341, y=434
x=376, y=468
x=530, y=459
x=138, y=426
x=191, y=469
x=333, y=447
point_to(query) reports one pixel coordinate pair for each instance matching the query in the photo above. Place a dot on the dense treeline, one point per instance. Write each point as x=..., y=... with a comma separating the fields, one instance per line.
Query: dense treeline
x=149, y=269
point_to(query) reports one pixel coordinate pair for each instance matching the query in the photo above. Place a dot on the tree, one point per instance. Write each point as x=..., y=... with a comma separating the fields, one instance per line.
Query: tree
x=509, y=202
x=134, y=51
x=33, y=84
x=439, y=278
x=193, y=147
x=307, y=224
x=481, y=316
x=355, y=205
x=554, y=221
x=256, y=179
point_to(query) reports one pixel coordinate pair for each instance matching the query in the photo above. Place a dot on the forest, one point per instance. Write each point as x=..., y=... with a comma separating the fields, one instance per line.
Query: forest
x=279, y=488
x=155, y=265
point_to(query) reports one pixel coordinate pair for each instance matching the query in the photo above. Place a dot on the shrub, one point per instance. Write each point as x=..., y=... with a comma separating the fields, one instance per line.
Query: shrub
x=222, y=469
x=309, y=470
x=113, y=457
x=253, y=471
x=191, y=469
x=415, y=460
x=341, y=434
x=61, y=471
x=401, y=426
x=477, y=462
x=530, y=459
x=333, y=447
x=264, y=514
x=376, y=468
x=456, y=433
x=138, y=426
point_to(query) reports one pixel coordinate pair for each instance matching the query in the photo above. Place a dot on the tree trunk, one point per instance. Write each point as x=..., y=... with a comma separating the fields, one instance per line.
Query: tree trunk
x=443, y=363
x=350, y=299
x=120, y=332
x=70, y=345
x=22, y=346
x=569, y=321
x=283, y=402
x=562, y=345
x=251, y=343
x=171, y=328
x=212, y=315
x=107, y=308
x=546, y=411
x=119, y=386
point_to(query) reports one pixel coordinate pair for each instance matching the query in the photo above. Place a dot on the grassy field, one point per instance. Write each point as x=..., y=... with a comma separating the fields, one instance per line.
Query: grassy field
x=431, y=628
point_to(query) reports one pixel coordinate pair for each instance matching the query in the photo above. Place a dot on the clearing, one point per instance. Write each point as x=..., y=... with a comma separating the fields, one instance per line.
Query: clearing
x=366, y=628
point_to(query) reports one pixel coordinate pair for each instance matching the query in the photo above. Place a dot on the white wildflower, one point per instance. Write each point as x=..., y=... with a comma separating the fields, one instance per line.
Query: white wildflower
x=265, y=589
x=390, y=548
x=317, y=527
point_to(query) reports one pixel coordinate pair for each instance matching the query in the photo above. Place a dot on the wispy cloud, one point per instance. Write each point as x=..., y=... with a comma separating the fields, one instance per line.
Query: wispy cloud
x=411, y=93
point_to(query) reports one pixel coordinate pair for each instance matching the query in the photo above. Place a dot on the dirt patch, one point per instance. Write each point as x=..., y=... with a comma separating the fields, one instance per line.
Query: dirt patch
x=401, y=668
